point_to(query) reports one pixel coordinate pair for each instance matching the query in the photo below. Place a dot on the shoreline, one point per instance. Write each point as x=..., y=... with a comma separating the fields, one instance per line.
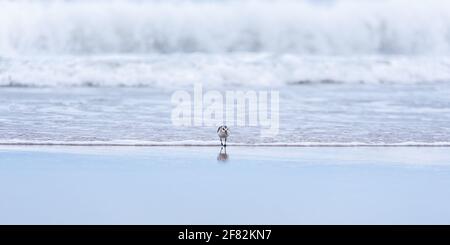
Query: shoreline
x=174, y=144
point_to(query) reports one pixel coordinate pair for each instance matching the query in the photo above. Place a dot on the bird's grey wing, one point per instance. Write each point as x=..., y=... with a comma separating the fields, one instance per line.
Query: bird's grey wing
x=218, y=129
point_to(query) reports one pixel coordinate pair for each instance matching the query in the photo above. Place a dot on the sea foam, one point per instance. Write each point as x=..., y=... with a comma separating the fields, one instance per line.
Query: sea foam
x=213, y=70
x=146, y=27
x=222, y=43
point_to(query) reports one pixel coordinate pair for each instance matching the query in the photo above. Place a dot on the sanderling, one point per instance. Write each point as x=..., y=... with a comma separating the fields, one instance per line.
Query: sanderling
x=223, y=133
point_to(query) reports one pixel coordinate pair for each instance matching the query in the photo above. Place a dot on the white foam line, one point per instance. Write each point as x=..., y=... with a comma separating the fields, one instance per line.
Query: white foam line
x=214, y=144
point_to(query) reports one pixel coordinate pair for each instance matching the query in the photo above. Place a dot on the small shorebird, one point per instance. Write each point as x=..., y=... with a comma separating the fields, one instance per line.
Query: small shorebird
x=223, y=133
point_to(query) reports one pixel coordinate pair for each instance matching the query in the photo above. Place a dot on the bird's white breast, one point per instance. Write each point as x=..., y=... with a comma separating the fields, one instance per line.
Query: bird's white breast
x=223, y=134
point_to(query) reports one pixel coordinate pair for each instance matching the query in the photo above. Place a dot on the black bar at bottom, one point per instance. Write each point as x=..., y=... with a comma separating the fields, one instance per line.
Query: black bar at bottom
x=224, y=233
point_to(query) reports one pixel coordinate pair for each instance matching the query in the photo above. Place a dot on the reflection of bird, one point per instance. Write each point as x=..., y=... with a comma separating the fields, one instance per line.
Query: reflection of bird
x=223, y=156
x=223, y=132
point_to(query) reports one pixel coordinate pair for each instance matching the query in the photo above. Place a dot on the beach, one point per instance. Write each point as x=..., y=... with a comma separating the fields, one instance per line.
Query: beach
x=256, y=185
x=338, y=111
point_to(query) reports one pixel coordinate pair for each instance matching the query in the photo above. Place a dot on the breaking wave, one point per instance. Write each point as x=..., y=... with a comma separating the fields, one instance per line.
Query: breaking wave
x=174, y=71
x=159, y=27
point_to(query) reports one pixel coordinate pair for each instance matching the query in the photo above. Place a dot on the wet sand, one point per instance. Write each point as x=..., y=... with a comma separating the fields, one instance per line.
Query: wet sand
x=255, y=185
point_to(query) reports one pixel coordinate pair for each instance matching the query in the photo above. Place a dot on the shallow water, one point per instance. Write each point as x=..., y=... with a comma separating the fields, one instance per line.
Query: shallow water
x=310, y=114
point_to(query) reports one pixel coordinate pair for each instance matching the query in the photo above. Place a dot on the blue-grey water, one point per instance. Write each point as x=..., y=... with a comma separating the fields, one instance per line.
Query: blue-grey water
x=373, y=114
x=348, y=72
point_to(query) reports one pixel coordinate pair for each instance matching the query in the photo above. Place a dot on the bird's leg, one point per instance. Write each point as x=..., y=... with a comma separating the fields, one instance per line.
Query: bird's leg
x=221, y=142
x=225, y=142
